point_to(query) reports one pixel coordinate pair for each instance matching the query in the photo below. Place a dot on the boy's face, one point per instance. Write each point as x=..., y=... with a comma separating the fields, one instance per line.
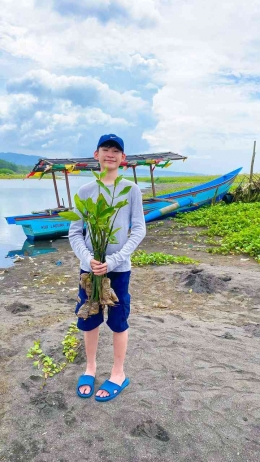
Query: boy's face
x=109, y=157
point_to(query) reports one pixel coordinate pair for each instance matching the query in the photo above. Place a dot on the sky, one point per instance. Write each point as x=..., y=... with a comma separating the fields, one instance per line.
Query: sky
x=165, y=75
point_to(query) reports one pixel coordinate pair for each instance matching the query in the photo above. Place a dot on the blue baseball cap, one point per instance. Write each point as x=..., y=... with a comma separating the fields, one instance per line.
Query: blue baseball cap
x=106, y=138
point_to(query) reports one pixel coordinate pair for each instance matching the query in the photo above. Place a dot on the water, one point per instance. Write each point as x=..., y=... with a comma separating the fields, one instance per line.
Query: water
x=19, y=197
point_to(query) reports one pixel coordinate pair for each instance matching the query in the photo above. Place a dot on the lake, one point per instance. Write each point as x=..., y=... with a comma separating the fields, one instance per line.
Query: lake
x=19, y=197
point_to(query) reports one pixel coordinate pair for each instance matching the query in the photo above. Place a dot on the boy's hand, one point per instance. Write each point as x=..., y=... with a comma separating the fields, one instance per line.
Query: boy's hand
x=98, y=268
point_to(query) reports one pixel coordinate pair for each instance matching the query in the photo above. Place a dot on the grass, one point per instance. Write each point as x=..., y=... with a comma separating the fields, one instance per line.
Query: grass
x=176, y=179
x=167, y=185
x=21, y=176
x=142, y=258
x=14, y=176
x=237, y=225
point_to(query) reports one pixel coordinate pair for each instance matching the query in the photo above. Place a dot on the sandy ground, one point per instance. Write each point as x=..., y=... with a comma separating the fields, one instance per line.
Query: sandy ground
x=193, y=361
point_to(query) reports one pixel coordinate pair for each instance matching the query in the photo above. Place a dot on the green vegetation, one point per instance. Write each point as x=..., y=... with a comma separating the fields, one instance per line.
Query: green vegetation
x=247, y=191
x=6, y=171
x=15, y=176
x=237, y=225
x=46, y=363
x=181, y=183
x=9, y=170
x=141, y=258
x=71, y=343
x=14, y=167
x=8, y=165
x=164, y=190
x=176, y=179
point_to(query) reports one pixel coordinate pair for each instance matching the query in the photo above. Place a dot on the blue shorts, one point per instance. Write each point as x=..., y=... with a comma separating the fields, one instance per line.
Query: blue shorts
x=117, y=314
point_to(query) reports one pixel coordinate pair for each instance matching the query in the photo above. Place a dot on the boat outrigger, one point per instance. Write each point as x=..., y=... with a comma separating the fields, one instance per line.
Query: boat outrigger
x=45, y=225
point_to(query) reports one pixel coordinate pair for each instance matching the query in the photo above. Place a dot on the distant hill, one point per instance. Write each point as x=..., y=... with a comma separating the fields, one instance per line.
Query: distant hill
x=23, y=159
x=19, y=159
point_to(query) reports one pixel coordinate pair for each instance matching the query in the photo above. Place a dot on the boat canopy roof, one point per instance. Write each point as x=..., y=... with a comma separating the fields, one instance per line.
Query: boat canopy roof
x=79, y=164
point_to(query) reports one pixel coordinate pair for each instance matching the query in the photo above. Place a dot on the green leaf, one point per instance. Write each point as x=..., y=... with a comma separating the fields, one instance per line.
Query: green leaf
x=96, y=174
x=103, y=174
x=92, y=220
x=104, y=187
x=90, y=206
x=114, y=231
x=113, y=240
x=70, y=216
x=107, y=212
x=124, y=191
x=101, y=203
x=118, y=179
x=121, y=204
x=79, y=204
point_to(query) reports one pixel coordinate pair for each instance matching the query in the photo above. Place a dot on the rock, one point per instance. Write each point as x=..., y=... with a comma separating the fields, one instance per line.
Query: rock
x=228, y=336
x=226, y=278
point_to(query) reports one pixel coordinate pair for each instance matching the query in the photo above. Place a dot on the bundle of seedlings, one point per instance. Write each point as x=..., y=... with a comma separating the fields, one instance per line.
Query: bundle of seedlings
x=248, y=190
x=99, y=217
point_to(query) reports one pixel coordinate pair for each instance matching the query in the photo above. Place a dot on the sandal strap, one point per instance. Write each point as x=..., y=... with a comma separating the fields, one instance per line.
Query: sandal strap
x=86, y=380
x=110, y=387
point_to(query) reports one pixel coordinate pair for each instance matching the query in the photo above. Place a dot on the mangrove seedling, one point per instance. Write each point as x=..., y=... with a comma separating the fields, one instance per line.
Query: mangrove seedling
x=100, y=217
x=46, y=363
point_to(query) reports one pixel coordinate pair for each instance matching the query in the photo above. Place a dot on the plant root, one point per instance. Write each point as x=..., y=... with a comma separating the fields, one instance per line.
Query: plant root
x=88, y=309
x=86, y=283
x=94, y=308
x=108, y=296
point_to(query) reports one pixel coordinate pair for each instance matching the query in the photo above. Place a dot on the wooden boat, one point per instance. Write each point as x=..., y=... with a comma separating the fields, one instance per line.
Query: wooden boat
x=45, y=225
x=189, y=199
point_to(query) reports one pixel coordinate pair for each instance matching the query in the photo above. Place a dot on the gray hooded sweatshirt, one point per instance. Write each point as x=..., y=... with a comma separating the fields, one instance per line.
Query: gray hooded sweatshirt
x=117, y=255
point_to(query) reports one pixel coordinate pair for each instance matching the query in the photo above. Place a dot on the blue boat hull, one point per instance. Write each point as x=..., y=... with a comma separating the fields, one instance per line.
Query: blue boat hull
x=43, y=226
x=189, y=199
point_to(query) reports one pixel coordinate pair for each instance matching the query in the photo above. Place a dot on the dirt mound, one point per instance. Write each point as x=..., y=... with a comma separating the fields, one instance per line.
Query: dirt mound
x=18, y=307
x=201, y=281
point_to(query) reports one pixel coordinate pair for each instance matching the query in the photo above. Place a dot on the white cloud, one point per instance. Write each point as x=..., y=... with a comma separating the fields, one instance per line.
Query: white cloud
x=57, y=128
x=7, y=127
x=201, y=57
x=86, y=91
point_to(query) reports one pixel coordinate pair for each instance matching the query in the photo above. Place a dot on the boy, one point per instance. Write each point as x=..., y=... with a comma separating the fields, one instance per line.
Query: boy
x=110, y=154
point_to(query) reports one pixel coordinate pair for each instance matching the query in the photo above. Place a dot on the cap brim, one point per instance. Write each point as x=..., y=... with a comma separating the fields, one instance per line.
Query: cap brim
x=115, y=143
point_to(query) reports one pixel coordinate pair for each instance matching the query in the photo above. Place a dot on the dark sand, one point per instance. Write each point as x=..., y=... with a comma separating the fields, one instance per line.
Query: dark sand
x=193, y=361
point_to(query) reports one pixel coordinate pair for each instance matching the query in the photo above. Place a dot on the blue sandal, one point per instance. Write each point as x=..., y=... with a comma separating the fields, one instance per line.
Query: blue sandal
x=86, y=380
x=111, y=387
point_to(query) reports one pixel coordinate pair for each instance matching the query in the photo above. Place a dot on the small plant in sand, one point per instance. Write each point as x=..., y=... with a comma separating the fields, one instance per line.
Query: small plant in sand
x=141, y=258
x=45, y=363
x=71, y=343
x=99, y=217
